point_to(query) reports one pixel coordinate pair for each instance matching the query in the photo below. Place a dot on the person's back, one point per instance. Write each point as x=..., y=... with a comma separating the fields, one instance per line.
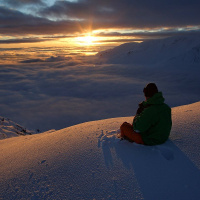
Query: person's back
x=152, y=123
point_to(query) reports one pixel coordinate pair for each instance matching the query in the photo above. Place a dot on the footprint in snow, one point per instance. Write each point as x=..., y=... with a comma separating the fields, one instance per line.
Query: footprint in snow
x=43, y=161
x=108, y=137
x=113, y=132
x=30, y=176
x=113, y=136
x=166, y=153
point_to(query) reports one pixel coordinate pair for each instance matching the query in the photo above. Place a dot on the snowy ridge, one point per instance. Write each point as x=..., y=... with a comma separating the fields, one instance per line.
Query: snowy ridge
x=192, y=56
x=9, y=129
x=178, y=48
x=89, y=161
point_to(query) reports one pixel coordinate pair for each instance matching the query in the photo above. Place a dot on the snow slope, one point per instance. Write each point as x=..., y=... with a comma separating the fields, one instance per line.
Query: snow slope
x=177, y=49
x=88, y=161
x=9, y=129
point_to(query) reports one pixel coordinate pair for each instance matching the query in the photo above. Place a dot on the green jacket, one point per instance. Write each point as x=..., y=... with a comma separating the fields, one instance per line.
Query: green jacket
x=154, y=122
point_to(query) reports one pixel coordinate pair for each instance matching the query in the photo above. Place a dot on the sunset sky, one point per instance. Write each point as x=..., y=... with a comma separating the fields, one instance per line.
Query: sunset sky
x=34, y=23
x=47, y=67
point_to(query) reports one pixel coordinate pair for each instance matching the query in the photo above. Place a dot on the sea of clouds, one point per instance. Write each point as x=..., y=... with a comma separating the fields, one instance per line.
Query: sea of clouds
x=58, y=92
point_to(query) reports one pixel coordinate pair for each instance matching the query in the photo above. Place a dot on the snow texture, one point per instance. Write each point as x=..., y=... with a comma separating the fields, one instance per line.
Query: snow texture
x=9, y=129
x=89, y=161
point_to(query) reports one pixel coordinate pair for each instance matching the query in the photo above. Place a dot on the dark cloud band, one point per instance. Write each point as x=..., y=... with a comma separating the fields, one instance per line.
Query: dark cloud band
x=66, y=17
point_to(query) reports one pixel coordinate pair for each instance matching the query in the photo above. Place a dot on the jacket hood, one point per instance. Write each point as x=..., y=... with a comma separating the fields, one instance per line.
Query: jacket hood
x=156, y=99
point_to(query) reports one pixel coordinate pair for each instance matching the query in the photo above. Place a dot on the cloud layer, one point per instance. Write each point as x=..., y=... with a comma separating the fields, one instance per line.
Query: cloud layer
x=69, y=17
x=128, y=13
x=56, y=93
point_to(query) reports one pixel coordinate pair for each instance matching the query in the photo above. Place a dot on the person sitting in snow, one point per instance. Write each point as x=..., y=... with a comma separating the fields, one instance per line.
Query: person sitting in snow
x=152, y=123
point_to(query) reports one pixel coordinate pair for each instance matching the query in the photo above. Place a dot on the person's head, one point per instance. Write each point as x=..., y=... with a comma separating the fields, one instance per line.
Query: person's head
x=150, y=90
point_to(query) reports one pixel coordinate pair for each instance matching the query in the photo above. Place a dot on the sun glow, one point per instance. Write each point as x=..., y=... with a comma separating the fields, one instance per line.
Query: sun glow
x=86, y=40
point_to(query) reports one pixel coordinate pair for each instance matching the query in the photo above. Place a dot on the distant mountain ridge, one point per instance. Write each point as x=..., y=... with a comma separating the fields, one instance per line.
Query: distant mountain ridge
x=180, y=49
x=9, y=129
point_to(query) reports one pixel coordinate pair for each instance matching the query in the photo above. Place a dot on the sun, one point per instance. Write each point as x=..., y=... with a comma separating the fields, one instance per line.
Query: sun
x=86, y=40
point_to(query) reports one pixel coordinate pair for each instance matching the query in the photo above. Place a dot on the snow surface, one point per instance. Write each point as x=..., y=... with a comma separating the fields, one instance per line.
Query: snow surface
x=88, y=161
x=173, y=50
x=9, y=129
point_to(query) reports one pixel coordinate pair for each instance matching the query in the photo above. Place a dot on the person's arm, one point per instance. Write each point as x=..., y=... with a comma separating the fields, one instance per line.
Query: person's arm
x=143, y=122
